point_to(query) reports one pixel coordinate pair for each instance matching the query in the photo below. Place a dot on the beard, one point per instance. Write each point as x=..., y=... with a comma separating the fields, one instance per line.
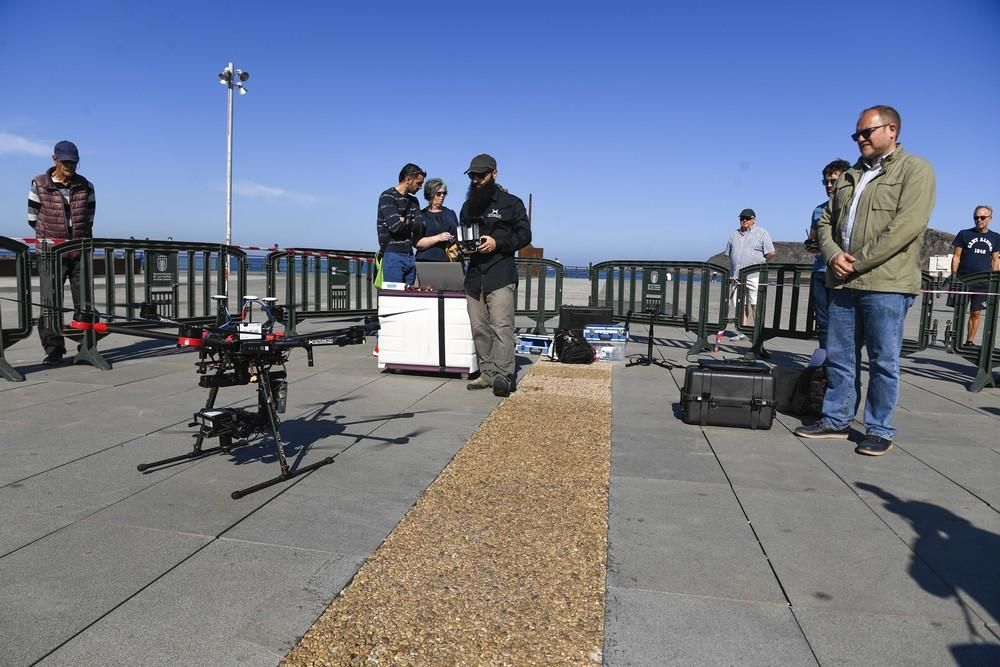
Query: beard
x=479, y=198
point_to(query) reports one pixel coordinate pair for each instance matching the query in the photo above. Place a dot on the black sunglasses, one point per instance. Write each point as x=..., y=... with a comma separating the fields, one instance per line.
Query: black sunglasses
x=867, y=132
x=478, y=175
x=743, y=217
x=977, y=218
x=443, y=193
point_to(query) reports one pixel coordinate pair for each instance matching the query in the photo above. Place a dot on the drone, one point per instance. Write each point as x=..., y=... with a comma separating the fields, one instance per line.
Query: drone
x=237, y=350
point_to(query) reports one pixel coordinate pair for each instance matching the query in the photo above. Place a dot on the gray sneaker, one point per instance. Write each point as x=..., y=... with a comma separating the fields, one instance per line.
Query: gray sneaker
x=479, y=383
x=818, y=431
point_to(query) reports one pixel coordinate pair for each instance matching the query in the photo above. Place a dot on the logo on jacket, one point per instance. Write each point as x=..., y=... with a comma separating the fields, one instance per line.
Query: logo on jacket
x=494, y=213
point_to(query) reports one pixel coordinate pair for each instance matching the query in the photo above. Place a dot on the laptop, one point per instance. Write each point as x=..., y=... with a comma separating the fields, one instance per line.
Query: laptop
x=441, y=276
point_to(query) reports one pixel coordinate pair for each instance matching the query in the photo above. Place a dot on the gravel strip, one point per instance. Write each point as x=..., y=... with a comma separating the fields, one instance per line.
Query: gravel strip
x=502, y=560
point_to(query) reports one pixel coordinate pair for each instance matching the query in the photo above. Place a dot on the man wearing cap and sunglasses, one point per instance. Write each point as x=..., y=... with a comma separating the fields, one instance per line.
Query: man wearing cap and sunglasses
x=61, y=206
x=492, y=275
x=870, y=236
x=747, y=246
x=976, y=249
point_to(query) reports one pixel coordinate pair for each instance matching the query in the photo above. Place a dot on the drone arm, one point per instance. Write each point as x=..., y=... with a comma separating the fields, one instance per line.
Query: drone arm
x=104, y=327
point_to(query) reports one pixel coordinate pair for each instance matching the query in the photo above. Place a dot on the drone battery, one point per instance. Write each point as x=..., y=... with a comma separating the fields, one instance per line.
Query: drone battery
x=251, y=330
x=237, y=378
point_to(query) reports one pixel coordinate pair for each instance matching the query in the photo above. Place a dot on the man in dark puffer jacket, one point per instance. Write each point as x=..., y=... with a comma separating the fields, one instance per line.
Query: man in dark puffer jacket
x=61, y=205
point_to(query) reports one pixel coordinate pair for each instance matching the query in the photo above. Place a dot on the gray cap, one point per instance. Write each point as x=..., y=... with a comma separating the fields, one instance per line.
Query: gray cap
x=480, y=163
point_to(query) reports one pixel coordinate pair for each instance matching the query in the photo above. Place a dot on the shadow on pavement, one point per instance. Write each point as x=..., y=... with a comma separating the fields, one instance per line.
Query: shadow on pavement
x=961, y=558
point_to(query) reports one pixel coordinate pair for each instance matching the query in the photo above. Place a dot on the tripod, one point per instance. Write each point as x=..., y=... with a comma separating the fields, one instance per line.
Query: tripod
x=647, y=359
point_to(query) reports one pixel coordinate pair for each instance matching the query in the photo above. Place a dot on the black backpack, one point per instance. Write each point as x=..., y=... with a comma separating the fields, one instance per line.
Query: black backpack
x=570, y=348
x=800, y=391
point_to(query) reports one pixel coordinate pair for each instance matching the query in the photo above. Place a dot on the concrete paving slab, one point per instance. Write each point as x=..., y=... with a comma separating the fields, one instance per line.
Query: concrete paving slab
x=32, y=447
x=128, y=371
x=348, y=509
x=658, y=454
x=834, y=553
x=92, y=483
x=37, y=393
x=773, y=460
x=855, y=638
x=360, y=498
x=957, y=540
x=920, y=400
x=127, y=409
x=57, y=586
x=898, y=472
x=684, y=537
x=234, y=603
x=195, y=500
x=655, y=628
x=944, y=433
x=18, y=527
x=975, y=467
x=452, y=398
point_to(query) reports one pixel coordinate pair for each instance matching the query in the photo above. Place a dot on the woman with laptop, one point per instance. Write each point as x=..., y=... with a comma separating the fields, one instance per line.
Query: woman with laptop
x=441, y=224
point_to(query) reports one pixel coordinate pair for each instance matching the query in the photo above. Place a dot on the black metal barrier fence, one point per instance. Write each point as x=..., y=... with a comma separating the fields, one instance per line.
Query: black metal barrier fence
x=692, y=295
x=21, y=327
x=134, y=272
x=181, y=279
x=779, y=285
x=987, y=355
x=532, y=295
x=321, y=283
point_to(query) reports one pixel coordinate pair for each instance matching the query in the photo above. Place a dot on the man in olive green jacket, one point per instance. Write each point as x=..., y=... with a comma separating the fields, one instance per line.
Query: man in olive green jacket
x=870, y=236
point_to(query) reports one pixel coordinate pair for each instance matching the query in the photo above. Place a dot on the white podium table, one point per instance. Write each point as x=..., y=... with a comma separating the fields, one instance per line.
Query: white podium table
x=425, y=331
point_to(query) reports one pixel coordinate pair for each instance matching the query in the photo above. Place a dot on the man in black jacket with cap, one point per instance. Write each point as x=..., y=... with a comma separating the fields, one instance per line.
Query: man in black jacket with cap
x=492, y=275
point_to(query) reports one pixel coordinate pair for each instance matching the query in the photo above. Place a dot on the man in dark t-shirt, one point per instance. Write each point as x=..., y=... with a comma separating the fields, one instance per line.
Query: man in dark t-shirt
x=977, y=249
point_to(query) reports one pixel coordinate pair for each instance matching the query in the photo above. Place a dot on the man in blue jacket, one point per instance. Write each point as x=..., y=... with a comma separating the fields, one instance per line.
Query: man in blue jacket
x=491, y=279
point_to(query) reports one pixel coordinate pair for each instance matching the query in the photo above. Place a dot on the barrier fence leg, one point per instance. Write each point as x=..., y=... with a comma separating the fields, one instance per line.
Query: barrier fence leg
x=88, y=353
x=8, y=372
x=984, y=376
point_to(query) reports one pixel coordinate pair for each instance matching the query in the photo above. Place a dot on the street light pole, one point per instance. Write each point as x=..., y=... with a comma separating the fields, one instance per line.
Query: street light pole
x=231, y=78
x=229, y=161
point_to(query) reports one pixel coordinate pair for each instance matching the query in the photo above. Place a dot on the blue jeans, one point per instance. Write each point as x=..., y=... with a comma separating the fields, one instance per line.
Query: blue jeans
x=821, y=304
x=875, y=320
x=398, y=267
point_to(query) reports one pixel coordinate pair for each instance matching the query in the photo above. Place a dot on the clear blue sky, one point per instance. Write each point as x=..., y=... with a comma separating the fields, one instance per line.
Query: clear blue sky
x=641, y=129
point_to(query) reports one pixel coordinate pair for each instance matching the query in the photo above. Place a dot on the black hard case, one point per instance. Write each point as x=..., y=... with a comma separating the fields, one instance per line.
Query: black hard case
x=719, y=393
x=575, y=318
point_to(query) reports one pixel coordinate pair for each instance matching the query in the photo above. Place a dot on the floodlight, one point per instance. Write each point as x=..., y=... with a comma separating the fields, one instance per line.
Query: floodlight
x=243, y=75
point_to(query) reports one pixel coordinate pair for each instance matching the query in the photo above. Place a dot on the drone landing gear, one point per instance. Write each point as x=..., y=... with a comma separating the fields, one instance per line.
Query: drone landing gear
x=225, y=423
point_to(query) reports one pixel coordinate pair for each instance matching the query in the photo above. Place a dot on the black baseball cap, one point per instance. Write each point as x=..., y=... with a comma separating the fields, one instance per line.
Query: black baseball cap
x=747, y=213
x=480, y=163
x=65, y=151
